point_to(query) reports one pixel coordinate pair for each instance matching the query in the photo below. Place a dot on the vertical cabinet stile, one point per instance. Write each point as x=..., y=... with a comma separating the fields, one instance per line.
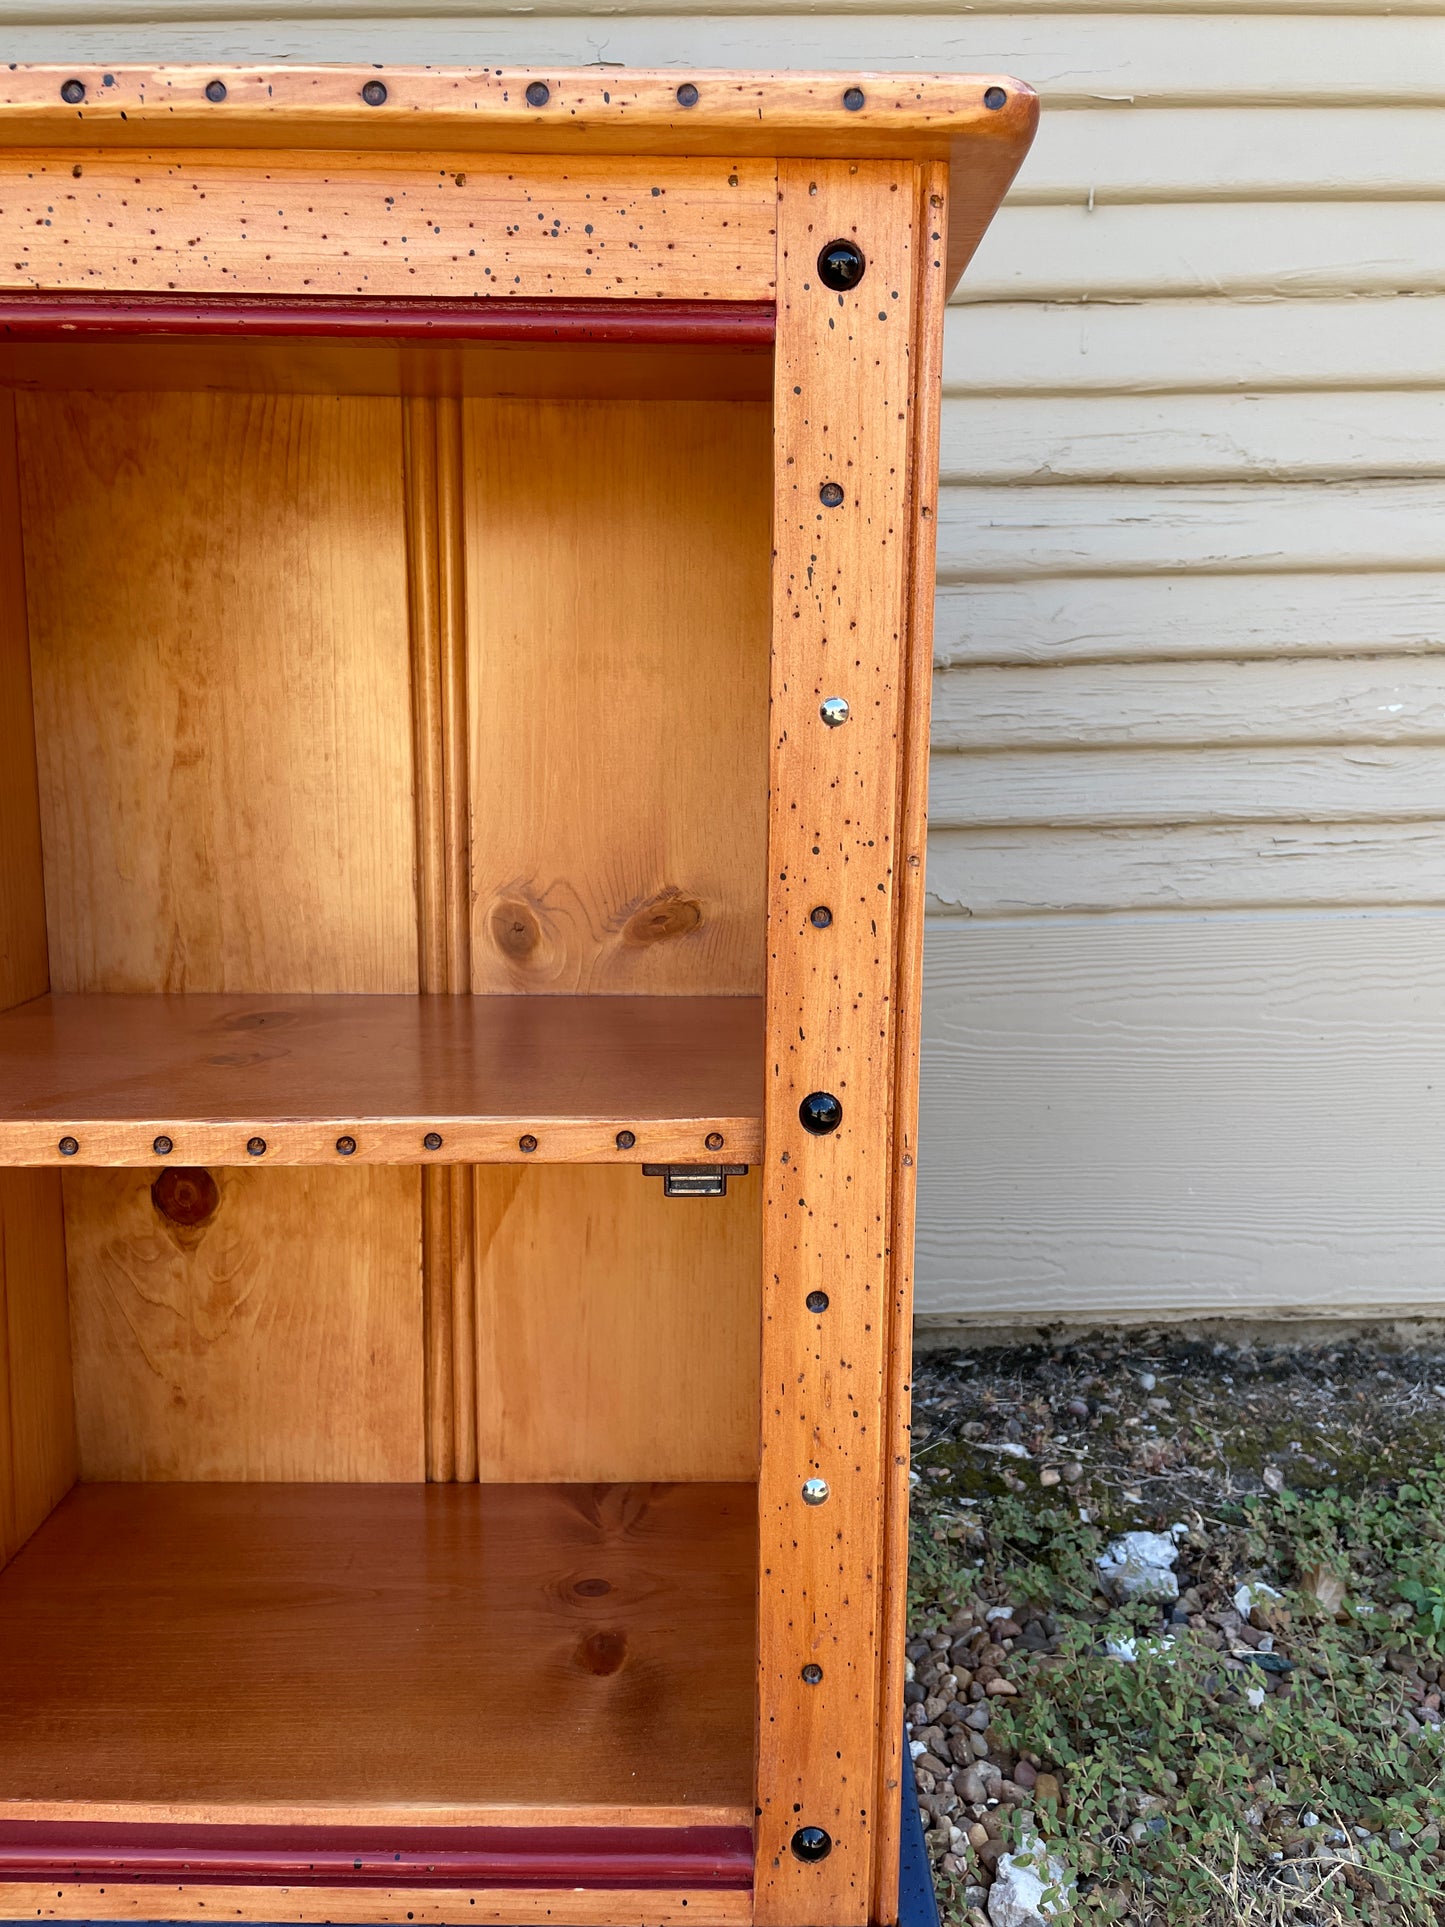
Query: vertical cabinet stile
x=843, y=438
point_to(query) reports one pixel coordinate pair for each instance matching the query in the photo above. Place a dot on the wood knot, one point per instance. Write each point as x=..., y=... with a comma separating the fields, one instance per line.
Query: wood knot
x=592, y=1588
x=185, y=1195
x=602, y=1653
x=516, y=928
x=668, y=914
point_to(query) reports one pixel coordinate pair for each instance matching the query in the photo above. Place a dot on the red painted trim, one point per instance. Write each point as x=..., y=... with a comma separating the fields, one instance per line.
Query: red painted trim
x=27, y=316
x=608, y=1857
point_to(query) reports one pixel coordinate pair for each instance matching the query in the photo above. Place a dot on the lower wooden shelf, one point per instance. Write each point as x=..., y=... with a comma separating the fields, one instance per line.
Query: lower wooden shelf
x=130, y=1080
x=359, y=1656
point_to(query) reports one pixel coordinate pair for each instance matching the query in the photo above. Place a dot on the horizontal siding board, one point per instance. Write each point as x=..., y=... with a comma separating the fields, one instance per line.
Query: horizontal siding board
x=1166, y=614
x=998, y=534
x=1074, y=58
x=1214, y=866
x=1194, y=438
x=1133, y=154
x=1194, y=347
x=1210, y=248
x=1197, y=1115
x=1319, y=785
x=1178, y=704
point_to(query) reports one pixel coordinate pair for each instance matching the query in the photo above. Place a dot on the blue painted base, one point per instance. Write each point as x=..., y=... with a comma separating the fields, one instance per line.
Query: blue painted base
x=917, y=1902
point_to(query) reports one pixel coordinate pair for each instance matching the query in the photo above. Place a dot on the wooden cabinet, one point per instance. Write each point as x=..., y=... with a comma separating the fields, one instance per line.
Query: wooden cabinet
x=464, y=671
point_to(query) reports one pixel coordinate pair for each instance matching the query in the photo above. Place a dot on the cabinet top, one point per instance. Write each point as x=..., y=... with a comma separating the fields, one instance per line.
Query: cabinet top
x=981, y=125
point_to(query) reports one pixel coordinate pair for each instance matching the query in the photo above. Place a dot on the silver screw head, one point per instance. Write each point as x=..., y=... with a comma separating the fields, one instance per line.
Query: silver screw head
x=815, y=1491
x=834, y=710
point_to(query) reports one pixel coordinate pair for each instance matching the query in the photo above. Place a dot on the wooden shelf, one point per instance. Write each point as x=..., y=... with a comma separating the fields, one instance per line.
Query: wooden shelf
x=214, y=1074
x=408, y=1655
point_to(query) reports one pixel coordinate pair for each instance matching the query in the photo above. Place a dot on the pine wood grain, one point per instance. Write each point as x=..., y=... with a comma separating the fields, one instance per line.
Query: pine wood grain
x=24, y=964
x=218, y=617
x=40, y=1446
x=410, y=1632
x=926, y=354
x=457, y=224
x=489, y=1907
x=618, y=1329
x=210, y=1073
x=843, y=410
x=248, y=1346
x=644, y=870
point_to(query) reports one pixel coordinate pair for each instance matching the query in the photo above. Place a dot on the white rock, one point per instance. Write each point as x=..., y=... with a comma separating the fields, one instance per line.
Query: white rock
x=1030, y=1888
x=1140, y=1566
x=1128, y=1649
x=1253, y=1593
x=916, y=1747
x=1148, y=1381
x=1255, y=1696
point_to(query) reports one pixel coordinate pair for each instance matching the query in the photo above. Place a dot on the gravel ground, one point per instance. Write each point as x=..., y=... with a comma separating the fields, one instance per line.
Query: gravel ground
x=1255, y=1734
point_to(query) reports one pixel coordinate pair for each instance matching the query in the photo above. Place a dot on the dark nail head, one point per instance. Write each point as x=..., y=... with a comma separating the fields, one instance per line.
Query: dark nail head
x=817, y=1301
x=256, y=1147
x=687, y=95
x=162, y=1147
x=853, y=98
x=345, y=1146
x=821, y=1113
x=840, y=266
x=527, y=1143
x=68, y=1146
x=821, y=917
x=626, y=1140
x=73, y=92
x=538, y=93
x=811, y=1843
x=994, y=98
x=374, y=93
x=831, y=495
x=215, y=90
x=812, y=1675
x=432, y=1141
x=714, y=1140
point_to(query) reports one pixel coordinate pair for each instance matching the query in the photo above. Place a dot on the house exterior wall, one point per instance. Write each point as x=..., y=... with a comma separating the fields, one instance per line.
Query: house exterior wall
x=1185, y=1029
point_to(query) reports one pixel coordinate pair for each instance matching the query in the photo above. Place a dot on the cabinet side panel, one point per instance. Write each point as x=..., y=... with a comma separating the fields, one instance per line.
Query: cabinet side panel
x=617, y=591
x=842, y=417
x=931, y=294
x=279, y=1340
x=218, y=609
x=618, y=1329
x=37, y=1434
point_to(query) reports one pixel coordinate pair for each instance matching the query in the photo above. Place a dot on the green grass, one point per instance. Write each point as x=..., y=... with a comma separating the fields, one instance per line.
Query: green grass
x=1182, y=1801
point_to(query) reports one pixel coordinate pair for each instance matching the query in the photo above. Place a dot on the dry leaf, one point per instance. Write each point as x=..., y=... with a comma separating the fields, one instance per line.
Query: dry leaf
x=1327, y=1587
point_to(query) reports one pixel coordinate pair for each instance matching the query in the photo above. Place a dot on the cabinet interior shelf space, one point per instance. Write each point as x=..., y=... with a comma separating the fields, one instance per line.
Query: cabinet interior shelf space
x=261, y=1080
x=405, y=1655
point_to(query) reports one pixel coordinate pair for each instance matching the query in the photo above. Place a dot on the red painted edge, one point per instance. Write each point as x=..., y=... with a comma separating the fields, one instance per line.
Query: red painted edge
x=542, y=1857
x=40, y=316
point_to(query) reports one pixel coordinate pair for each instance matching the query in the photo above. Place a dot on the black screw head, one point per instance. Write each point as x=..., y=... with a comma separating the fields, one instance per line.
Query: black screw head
x=821, y=917
x=162, y=1146
x=821, y=1113
x=72, y=92
x=853, y=98
x=538, y=93
x=831, y=495
x=626, y=1140
x=527, y=1143
x=840, y=266
x=432, y=1141
x=816, y=1301
x=812, y=1843
x=215, y=90
x=994, y=98
x=255, y=1147
x=812, y=1675
x=714, y=1140
x=687, y=95
x=345, y=1147
x=374, y=93
x=68, y=1146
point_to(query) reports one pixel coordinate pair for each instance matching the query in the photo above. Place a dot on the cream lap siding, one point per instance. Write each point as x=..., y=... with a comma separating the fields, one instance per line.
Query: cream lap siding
x=1185, y=1047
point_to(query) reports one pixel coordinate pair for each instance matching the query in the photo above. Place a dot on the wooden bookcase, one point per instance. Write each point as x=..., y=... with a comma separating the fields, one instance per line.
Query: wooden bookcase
x=466, y=556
